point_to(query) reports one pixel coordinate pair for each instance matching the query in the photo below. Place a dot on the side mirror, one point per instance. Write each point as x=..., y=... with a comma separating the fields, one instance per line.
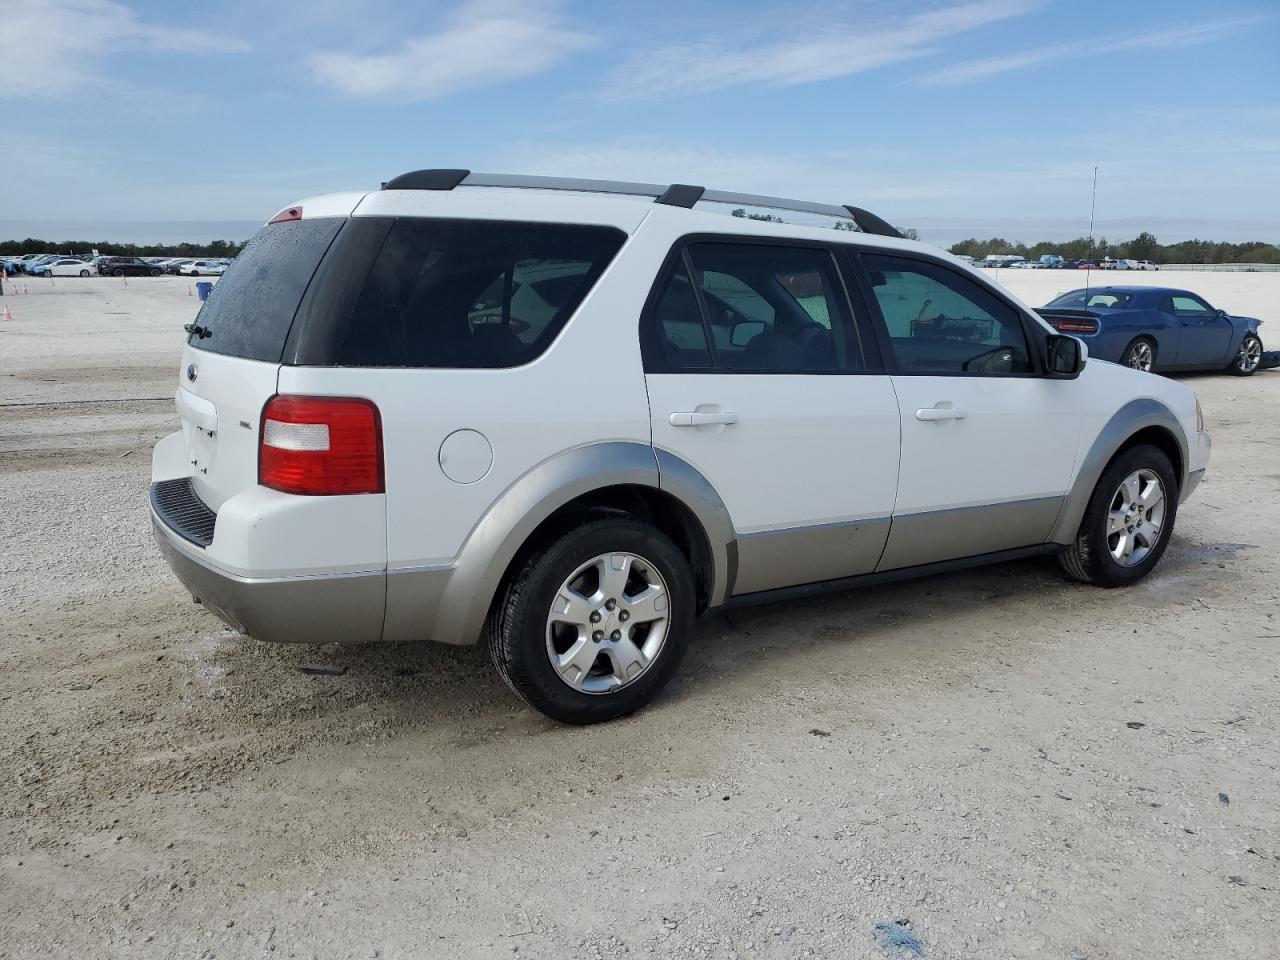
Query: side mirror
x=746, y=331
x=1065, y=357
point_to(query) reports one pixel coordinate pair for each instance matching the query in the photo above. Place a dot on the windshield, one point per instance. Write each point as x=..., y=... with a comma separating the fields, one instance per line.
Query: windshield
x=1109, y=299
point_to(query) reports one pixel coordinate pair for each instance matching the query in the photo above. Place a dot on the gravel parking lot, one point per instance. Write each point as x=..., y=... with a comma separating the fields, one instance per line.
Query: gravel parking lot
x=1017, y=765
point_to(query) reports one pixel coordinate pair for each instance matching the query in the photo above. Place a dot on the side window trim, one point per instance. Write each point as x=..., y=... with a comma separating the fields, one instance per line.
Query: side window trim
x=1033, y=336
x=857, y=311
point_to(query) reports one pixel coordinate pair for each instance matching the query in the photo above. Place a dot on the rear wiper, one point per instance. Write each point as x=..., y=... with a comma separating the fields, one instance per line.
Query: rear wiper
x=199, y=331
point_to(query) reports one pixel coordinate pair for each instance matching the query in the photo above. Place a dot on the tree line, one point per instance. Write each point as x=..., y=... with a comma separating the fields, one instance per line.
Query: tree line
x=1142, y=247
x=217, y=248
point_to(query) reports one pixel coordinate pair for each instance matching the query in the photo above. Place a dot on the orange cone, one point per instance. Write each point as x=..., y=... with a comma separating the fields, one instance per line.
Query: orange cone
x=188, y=290
x=6, y=315
x=24, y=289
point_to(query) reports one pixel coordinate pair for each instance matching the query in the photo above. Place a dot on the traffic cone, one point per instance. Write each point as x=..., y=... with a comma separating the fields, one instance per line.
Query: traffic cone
x=25, y=291
x=188, y=290
x=124, y=279
x=6, y=315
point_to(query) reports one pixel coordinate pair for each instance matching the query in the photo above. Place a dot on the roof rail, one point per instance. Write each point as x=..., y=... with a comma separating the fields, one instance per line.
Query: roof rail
x=675, y=195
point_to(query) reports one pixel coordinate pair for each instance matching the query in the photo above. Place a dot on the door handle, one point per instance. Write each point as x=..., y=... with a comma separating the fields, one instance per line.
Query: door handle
x=940, y=413
x=697, y=418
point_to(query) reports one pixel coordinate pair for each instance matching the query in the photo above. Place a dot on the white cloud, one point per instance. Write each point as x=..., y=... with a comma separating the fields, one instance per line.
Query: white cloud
x=1168, y=39
x=53, y=48
x=483, y=43
x=836, y=51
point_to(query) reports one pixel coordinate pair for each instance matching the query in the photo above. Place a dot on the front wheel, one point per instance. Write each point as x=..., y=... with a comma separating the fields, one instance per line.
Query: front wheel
x=154, y=273
x=84, y=273
x=1128, y=521
x=1139, y=355
x=595, y=624
x=1248, y=357
x=117, y=273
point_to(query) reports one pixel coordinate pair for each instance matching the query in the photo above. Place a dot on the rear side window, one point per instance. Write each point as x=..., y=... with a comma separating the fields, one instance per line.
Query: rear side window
x=1116, y=299
x=473, y=293
x=251, y=307
x=752, y=308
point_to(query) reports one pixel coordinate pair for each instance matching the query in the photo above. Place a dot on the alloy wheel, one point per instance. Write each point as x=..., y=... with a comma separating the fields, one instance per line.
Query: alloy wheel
x=1140, y=356
x=1250, y=355
x=1136, y=517
x=608, y=623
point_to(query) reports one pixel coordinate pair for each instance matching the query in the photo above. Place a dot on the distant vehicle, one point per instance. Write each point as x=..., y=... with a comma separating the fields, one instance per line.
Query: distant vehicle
x=33, y=265
x=1111, y=263
x=68, y=267
x=1026, y=265
x=203, y=268
x=1142, y=265
x=1087, y=265
x=127, y=267
x=175, y=266
x=1157, y=328
x=1050, y=261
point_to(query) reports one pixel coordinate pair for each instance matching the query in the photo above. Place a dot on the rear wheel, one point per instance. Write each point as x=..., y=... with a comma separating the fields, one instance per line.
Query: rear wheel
x=154, y=273
x=195, y=273
x=1128, y=522
x=1248, y=357
x=594, y=625
x=84, y=273
x=1139, y=355
x=117, y=273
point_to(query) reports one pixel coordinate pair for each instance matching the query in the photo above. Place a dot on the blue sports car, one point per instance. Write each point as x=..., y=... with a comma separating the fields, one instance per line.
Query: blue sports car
x=1157, y=328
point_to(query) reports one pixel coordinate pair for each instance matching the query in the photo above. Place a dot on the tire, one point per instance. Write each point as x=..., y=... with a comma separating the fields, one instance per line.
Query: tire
x=1140, y=355
x=195, y=273
x=153, y=273
x=1092, y=558
x=117, y=273
x=84, y=273
x=523, y=635
x=1248, y=358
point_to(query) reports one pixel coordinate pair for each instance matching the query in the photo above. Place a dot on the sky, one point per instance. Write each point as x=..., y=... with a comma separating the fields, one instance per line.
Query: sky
x=957, y=117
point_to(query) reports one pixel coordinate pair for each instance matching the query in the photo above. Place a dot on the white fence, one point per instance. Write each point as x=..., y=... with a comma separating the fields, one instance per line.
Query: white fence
x=1225, y=267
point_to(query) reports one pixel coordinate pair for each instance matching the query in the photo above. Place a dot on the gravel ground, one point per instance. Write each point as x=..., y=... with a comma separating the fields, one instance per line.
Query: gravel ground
x=1016, y=765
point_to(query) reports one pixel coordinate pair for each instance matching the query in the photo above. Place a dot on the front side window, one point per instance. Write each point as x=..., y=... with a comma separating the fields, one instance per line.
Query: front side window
x=473, y=293
x=754, y=308
x=1187, y=306
x=940, y=322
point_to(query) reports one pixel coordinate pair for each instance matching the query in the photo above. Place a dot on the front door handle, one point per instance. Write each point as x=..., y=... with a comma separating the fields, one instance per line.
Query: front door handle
x=940, y=412
x=698, y=418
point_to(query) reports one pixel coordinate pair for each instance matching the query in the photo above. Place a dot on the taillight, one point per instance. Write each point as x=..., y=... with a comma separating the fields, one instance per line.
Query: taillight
x=287, y=214
x=1076, y=326
x=318, y=446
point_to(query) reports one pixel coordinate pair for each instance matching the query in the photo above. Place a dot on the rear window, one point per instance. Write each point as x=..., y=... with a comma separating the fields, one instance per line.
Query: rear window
x=472, y=293
x=1114, y=299
x=251, y=307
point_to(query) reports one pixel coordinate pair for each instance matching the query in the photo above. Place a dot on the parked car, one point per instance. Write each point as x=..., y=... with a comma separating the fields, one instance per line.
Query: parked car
x=35, y=265
x=1142, y=265
x=1087, y=265
x=568, y=424
x=127, y=267
x=203, y=268
x=175, y=266
x=1157, y=328
x=68, y=267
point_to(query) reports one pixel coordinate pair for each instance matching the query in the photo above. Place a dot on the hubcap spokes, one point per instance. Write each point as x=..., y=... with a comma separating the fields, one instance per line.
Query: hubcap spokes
x=1249, y=355
x=1136, y=517
x=608, y=623
x=1140, y=359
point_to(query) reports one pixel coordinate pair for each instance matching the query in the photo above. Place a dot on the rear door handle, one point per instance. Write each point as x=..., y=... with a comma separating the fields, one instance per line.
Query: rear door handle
x=940, y=413
x=696, y=418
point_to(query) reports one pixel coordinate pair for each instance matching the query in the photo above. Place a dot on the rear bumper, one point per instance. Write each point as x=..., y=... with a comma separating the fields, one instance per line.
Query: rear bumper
x=332, y=608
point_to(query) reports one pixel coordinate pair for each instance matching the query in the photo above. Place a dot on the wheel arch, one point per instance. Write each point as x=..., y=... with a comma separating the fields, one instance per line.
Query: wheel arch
x=1141, y=421
x=621, y=476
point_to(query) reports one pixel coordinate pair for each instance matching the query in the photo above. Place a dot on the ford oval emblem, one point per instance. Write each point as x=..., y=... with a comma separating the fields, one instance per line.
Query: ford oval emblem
x=192, y=372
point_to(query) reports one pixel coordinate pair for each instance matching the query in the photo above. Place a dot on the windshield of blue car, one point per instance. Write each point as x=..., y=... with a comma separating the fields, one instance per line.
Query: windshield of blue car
x=1113, y=299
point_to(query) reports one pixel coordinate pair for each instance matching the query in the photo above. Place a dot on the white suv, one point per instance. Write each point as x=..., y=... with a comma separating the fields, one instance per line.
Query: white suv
x=569, y=416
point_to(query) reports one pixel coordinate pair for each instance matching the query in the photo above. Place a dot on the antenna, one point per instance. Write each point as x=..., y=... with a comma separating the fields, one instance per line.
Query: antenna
x=1093, y=206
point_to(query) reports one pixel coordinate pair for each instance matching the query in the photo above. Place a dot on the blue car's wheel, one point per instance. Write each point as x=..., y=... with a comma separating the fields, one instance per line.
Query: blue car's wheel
x=1248, y=357
x=1139, y=355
